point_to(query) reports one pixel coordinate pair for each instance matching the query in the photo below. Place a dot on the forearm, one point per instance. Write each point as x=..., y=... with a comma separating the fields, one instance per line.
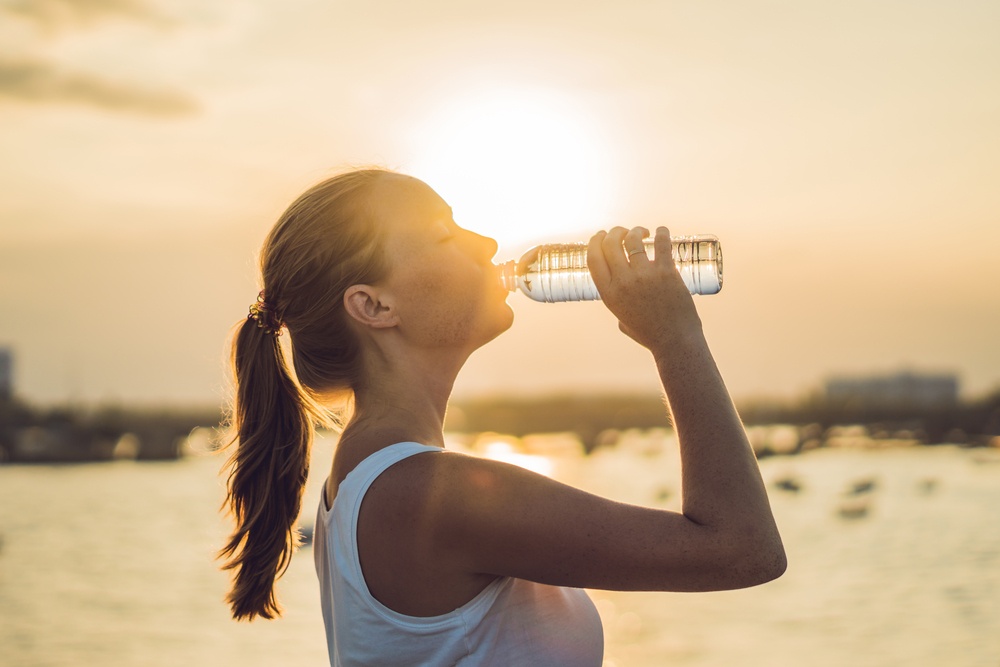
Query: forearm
x=721, y=483
x=727, y=535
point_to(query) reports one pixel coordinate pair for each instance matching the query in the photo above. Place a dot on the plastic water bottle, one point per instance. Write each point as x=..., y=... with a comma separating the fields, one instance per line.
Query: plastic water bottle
x=558, y=271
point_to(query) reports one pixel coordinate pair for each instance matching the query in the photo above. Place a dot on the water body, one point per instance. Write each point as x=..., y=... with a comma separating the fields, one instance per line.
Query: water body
x=894, y=558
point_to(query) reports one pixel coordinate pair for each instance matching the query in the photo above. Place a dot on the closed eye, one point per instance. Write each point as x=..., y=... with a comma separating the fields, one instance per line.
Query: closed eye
x=447, y=232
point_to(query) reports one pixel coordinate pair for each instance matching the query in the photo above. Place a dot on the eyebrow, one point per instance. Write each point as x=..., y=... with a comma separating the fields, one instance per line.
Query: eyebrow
x=447, y=213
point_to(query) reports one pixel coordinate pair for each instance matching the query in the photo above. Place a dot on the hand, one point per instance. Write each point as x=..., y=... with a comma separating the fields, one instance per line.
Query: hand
x=648, y=296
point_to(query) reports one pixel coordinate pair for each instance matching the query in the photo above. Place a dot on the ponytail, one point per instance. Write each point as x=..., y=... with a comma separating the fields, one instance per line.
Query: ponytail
x=273, y=425
x=325, y=242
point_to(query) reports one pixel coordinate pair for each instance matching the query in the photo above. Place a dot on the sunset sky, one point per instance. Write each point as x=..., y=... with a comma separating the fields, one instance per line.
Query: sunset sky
x=847, y=154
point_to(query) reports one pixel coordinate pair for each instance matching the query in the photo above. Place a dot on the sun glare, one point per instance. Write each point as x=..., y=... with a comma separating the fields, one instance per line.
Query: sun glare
x=503, y=451
x=518, y=165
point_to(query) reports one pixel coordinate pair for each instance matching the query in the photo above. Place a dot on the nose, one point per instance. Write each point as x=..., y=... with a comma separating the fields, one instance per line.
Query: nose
x=482, y=247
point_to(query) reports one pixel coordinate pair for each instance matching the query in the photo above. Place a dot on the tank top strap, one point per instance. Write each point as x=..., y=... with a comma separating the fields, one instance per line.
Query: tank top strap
x=355, y=485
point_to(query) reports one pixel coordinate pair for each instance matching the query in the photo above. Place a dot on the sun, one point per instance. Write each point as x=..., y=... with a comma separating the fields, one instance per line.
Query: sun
x=522, y=166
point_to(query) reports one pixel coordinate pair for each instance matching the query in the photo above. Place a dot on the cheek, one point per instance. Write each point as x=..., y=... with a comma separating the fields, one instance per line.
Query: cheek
x=448, y=306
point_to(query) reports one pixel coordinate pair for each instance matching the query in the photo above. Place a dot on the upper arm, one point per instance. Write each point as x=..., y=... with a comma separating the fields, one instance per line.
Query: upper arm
x=495, y=518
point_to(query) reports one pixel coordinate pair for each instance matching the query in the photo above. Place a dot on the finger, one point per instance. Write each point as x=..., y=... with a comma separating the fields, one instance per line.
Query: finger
x=635, y=249
x=662, y=245
x=614, y=254
x=596, y=262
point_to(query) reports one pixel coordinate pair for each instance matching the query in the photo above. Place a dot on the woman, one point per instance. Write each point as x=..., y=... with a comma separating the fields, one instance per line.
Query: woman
x=453, y=559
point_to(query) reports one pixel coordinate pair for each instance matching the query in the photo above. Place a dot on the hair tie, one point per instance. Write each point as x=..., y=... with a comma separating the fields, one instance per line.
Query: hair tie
x=263, y=314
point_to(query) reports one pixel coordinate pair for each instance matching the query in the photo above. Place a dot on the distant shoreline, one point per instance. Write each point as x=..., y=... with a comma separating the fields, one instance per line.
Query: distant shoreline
x=33, y=435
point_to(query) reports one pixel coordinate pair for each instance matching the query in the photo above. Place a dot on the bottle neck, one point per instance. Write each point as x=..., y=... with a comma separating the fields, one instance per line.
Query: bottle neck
x=507, y=275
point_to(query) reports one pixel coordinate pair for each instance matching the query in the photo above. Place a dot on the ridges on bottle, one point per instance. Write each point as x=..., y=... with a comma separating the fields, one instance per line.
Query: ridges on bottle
x=558, y=271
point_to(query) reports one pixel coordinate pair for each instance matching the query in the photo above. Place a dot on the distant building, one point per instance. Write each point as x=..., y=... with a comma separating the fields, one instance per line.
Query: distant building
x=6, y=374
x=903, y=389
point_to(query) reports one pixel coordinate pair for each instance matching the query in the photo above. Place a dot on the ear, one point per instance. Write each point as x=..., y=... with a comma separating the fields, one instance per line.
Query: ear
x=369, y=307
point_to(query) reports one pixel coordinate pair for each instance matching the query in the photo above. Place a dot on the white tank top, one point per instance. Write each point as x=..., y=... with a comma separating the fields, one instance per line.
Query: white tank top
x=511, y=622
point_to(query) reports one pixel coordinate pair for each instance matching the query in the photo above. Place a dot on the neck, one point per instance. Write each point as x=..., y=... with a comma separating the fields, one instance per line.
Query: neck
x=405, y=401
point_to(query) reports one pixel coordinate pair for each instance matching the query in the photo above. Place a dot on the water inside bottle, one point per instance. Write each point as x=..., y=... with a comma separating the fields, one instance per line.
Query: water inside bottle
x=558, y=272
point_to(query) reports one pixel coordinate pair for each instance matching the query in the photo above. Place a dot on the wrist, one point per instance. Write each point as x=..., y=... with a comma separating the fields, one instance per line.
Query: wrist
x=680, y=344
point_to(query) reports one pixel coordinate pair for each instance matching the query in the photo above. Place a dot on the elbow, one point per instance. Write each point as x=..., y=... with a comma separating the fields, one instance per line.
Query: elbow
x=782, y=564
x=742, y=558
x=756, y=561
x=767, y=562
x=775, y=565
x=744, y=568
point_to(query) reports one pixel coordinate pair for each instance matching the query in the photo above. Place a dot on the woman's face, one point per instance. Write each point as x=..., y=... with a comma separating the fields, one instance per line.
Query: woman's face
x=441, y=276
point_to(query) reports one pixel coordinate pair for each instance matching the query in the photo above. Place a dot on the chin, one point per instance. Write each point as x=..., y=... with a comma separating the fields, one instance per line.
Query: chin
x=508, y=320
x=505, y=318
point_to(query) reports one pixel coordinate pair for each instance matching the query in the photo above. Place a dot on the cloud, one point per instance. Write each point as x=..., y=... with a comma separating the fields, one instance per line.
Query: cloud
x=42, y=82
x=55, y=14
x=30, y=78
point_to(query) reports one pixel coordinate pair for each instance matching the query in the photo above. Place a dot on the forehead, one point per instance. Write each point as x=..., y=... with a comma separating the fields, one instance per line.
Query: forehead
x=405, y=203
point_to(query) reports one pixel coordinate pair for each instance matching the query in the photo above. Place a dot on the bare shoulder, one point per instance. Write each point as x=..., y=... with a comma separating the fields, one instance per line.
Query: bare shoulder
x=449, y=476
x=435, y=479
x=461, y=501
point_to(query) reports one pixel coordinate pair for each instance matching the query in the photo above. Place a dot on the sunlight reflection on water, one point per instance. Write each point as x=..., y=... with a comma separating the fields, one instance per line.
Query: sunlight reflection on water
x=505, y=450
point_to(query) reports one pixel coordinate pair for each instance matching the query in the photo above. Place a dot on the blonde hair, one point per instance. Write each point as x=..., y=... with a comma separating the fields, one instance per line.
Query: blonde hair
x=325, y=242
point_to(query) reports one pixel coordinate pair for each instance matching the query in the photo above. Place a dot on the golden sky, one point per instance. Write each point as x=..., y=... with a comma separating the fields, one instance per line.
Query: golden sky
x=846, y=154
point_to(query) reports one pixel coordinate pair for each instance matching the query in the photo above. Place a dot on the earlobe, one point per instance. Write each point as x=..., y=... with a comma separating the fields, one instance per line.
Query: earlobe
x=367, y=306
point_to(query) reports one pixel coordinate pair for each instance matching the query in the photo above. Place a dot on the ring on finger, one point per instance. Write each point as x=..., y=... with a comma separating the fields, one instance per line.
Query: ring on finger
x=636, y=252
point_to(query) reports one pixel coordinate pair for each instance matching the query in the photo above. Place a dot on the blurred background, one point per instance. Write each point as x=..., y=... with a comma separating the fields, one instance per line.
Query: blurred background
x=845, y=154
